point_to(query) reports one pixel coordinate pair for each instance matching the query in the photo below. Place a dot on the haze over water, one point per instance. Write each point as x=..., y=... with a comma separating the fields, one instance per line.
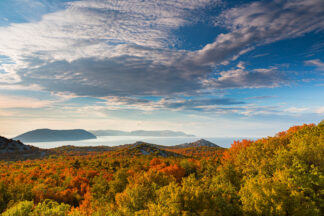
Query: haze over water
x=120, y=140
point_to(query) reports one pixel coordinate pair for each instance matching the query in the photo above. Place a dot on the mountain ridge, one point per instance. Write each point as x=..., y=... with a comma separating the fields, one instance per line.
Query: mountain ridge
x=142, y=148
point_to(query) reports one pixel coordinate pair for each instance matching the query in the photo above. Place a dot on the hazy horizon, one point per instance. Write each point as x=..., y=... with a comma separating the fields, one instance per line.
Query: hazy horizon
x=12, y=135
x=224, y=142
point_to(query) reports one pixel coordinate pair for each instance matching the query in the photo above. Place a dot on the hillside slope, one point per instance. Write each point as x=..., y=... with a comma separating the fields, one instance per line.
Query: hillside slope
x=12, y=146
x=143, y=148
x=16, y=150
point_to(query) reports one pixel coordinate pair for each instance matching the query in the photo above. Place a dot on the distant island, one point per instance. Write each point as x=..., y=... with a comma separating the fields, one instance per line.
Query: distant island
x=157, y=133
x=48, y=135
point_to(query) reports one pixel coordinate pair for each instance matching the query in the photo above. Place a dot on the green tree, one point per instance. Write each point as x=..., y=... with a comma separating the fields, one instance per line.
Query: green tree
x=51, y=208
x=141, y=191
x=189, y=198
x=22, y=208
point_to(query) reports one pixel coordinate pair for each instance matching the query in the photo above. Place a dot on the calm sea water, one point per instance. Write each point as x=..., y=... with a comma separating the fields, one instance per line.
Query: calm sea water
x=120, y=140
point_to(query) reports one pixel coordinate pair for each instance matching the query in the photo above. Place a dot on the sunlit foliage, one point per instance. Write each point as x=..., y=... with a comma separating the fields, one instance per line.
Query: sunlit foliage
x=280, y=175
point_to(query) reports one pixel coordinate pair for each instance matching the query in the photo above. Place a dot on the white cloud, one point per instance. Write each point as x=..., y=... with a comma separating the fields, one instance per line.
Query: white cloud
x=32, y=87
x=316, y=62
x=22, y=102
x=243, y=78
x=95, y=29
x=305, y=110
x=320, y=110
x=118, y=48
x=99, y=45
x=296, y=109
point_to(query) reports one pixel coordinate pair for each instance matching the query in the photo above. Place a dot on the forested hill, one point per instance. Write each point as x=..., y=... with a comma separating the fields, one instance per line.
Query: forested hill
x=279, y=175
x=139, y=148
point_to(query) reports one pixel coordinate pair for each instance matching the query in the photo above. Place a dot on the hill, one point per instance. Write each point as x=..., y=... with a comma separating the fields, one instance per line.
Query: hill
x=198, y=143
x=138, y=148
x=47, y=135
x=199, y=148
x=143, y=148
x=12, y=146
x=16, y=150
x=79, y=150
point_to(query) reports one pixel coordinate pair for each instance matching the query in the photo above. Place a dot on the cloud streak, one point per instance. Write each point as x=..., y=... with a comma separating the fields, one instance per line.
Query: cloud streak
x=7, y=102
x=242, y=78
x=316, y=62
x=174, y=104
x=261, y=23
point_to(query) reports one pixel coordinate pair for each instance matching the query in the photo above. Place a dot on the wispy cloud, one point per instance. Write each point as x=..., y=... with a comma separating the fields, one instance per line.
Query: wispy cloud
x=22, y=102
x=260, y=23
x=320, y=110
x=175, y=104
x=261, y=97
x=316, y=62
x=112, y=47
x=297, y=109
x=240, y=77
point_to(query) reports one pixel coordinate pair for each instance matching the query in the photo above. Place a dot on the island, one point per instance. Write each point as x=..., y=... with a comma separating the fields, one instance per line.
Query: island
x=48, y=135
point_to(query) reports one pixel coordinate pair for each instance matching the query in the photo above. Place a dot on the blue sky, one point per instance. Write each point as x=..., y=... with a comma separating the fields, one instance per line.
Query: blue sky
x=205, y=67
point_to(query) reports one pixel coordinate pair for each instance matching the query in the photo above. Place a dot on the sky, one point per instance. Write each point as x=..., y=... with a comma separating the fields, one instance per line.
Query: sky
x=211, y=68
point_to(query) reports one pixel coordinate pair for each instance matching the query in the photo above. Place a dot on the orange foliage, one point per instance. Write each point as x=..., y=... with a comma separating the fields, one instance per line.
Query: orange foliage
x=85, y=207
x=95, y=179
x=173, y=170
x=236, y=147
x=294, y=129
x=155, y=161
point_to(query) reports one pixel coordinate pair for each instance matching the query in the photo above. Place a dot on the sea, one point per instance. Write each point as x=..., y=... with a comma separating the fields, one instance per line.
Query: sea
x=120, y=140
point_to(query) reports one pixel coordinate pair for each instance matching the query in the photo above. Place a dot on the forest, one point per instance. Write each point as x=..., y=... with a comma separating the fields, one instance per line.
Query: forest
x=279, y=175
